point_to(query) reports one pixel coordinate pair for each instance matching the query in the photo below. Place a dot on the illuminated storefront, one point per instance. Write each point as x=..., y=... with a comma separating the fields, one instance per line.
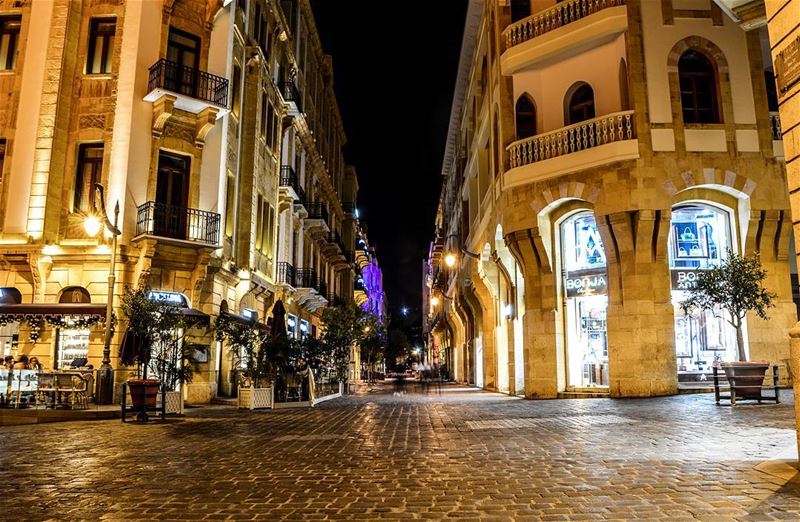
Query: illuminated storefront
x=700, y=236
x=586, y=300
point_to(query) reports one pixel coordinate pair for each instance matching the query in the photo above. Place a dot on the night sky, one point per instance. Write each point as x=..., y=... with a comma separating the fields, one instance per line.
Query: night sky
x=394, y=73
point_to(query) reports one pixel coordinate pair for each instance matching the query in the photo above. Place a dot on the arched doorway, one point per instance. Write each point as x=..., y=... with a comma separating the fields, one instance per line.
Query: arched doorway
x=700, y=237
x=583, y=265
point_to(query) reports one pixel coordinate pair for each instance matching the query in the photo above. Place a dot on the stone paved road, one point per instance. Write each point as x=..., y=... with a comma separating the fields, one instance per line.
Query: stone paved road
x=459, y=455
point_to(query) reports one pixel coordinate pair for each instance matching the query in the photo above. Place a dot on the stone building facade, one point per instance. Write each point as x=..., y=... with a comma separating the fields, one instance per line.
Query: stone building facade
x=214, y=127
x=599, y=155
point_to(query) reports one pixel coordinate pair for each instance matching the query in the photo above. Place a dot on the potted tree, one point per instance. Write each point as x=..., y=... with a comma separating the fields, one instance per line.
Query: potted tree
x=732, y=290
x=154, y=343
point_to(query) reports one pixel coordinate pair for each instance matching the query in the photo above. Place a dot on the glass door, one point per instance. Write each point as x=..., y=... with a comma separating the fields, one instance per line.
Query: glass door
x=183, y=55
x=172, y=192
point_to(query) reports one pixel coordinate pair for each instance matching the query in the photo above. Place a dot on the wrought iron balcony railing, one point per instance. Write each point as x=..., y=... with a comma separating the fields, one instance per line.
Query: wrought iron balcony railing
x=291, y=94
x=306, y=278
x=286, y=273
x=187, y=224
x=585, y=135
x=289, y=178
x=334, y=238
x=561, y=14
x=775, y=126
x=318, y=211
x=188, y=81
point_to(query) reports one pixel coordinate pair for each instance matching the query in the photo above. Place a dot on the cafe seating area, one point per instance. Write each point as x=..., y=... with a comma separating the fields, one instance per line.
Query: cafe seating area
x=57, y=389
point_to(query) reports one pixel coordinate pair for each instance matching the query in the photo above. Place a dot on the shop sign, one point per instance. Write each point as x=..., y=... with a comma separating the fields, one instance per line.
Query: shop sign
x=174, y=298
x=586, y=283
x=787, y=66
x=250, y=314
x=684, y=278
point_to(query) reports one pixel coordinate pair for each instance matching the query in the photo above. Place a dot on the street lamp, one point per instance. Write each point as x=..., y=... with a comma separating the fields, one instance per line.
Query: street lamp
x=451, y=258
x=104, y=393
x=435, y=301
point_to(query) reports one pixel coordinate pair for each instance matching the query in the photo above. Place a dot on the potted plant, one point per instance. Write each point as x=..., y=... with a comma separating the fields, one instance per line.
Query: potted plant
x=154, y=343
x=733, y=289
x=253, y=352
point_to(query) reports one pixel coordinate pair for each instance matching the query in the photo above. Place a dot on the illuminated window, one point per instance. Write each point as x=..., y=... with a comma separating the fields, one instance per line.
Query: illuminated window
x=101, y=45
x=9, y=37
x=698, y=84
x=90, y=168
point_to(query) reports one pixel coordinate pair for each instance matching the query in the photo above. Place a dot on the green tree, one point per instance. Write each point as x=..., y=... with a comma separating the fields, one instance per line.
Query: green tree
x=157, y=343
x=735, y=287
x=373, y=342
x=343, y=329
x=398, y=348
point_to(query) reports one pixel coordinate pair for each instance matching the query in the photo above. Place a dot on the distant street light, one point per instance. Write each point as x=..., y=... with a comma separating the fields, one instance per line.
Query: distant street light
x=404, y=311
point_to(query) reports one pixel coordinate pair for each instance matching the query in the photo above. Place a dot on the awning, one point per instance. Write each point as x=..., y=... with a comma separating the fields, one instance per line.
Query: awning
x=195, y=317
x=244, y=321
x=53, y=310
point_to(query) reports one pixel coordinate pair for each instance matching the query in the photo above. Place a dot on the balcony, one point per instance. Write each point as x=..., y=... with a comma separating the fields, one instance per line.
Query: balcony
x=286, y=274
x=333, y=248
x=349, y=208
x=777, y=135
x=291, y=95
x=566, y=28
x=291, y=186
x=317, y=219
x=195, y=90
x=177, y=223
x=584, y=145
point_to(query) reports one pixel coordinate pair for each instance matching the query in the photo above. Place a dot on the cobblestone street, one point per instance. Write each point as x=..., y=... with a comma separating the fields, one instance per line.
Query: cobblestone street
x=459, y=454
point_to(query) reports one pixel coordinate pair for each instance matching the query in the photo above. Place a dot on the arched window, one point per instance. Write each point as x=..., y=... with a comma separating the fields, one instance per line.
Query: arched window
x=698, y=84
x=579, y=104
x=520, y=9
x=526, y=117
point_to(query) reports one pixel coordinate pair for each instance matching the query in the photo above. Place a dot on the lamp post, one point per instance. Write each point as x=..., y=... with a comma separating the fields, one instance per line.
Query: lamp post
x=104, y=392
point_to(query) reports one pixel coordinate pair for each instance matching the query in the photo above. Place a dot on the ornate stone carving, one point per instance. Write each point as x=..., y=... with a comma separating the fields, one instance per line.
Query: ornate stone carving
x=162, y=111
x=205, y=122
x=92, y=121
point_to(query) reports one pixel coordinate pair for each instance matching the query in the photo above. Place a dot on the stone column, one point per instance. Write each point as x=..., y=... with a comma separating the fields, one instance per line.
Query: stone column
x=542, y=335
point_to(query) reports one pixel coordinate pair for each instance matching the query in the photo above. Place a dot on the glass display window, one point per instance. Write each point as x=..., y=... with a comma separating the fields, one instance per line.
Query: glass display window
x=700, y=237
x=586, y=302
x=73, y=345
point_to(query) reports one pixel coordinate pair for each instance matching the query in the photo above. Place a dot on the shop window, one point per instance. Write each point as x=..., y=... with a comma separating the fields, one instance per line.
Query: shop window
x=698, y=84
x=520, y=9
x=9, y=39
x=291, y=326
x=579, y=104
x=303, y=328
x=525, y=117
x=101, y=45
x=586, y=300
x=230, y=195
x=90, y=168
x=700, y=238
x=72, y=341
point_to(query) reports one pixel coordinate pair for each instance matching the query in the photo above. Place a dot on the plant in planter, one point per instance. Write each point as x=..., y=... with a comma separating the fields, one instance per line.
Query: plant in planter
x=154, y=343
x=344, y=328
x=730, y=291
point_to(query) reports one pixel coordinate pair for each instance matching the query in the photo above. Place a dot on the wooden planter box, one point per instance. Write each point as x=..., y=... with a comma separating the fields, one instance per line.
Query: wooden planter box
x=173, y=399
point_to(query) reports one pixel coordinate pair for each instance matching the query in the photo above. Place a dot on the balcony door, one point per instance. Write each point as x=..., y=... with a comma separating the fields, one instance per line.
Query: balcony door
x=172, y=193
x=183, y=55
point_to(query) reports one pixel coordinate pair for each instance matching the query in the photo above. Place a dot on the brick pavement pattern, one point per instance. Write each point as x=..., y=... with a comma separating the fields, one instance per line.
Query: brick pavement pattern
x=458, y=454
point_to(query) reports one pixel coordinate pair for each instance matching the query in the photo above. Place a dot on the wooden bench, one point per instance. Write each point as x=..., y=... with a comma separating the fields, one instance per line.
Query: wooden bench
x=722, y=383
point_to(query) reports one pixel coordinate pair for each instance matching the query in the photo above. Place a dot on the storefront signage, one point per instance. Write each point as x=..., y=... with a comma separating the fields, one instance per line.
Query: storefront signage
x=250, y=314
x=787, y=66
x=175, y=298
x=684, y=278
x=586, y=282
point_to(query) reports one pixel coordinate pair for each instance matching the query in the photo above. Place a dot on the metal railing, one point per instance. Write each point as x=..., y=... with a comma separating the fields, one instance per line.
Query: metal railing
x=588, y=134
x=286, y=273
x=289, y=178
x=318, y=211
x=349, y=207
x=322, y=288
x=306, y=278
x=188, y=224
x=188, y=81
x=334, y=238
x=552, y=18
x=291, y=94
x=775, y=126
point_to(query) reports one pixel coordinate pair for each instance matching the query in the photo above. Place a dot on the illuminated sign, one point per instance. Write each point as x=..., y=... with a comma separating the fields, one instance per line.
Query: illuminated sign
x=586, y=283
x=250, y=314
x=684, y=278
x=173, y=298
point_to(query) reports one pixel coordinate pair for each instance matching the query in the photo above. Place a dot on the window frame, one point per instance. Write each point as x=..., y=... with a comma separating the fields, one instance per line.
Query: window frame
x=108, y=38
x=712, y=76
x=13, y=41
x=96, y=164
